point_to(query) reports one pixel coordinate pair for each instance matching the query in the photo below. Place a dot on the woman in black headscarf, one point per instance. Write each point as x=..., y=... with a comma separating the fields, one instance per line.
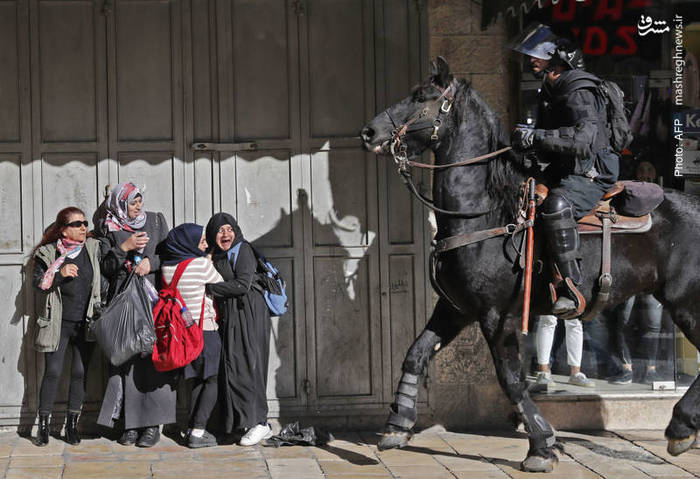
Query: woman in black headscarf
x=185, y=249
x=244, y=328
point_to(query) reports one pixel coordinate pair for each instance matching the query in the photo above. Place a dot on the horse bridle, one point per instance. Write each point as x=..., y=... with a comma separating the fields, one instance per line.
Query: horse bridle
x=440, y=106
x=432, y=113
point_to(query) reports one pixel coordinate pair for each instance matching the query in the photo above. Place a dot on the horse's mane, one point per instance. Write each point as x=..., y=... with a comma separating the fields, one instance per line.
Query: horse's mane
x=505, y=173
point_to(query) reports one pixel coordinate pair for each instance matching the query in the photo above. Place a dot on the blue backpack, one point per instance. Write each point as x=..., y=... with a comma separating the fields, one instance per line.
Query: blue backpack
x=269, y=281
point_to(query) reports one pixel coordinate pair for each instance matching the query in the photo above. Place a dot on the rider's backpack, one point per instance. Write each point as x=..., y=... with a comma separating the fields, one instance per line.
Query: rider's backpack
x=620, y=131
x=269, y=281
x=177, y=342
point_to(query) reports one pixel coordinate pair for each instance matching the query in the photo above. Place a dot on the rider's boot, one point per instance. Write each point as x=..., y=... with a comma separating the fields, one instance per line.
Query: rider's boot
x=563, y=240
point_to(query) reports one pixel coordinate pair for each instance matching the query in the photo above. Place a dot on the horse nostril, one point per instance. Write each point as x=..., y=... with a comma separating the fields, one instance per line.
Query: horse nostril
x=367, y=134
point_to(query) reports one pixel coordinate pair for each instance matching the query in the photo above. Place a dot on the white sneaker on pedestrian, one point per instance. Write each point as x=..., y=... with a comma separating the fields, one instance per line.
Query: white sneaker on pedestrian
x=580, y=379
x=545, y=379
x=256, y=434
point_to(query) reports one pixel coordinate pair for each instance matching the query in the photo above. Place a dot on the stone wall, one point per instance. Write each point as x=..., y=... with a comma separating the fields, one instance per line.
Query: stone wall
x=465, y=388
x=478, y=56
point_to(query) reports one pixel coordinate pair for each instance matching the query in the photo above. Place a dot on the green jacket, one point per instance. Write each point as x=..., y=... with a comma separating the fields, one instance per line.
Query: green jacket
x=49, y=309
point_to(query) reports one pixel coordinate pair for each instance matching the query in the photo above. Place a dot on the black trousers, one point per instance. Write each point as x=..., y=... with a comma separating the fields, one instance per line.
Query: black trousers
x=204, y=394
x=73, y=336
x=649, y=318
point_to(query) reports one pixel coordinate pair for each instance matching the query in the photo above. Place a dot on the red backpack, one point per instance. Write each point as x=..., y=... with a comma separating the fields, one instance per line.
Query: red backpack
x=176, y=344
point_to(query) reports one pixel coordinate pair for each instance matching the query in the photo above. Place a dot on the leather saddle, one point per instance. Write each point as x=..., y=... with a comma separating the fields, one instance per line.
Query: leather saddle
x=592, y=223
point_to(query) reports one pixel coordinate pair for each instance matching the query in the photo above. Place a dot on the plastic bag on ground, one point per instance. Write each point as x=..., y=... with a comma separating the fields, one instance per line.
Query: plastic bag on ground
x=293, y=435
x=125, y=327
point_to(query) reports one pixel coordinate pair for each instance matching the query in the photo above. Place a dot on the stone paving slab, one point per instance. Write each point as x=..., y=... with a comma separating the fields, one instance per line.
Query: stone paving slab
x=433, y=454
x=34, y=473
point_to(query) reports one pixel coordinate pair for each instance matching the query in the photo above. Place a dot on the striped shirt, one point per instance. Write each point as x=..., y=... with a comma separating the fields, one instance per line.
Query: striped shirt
x=191, y=286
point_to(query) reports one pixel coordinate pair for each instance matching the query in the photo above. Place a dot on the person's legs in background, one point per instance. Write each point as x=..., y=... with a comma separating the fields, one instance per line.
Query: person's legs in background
x=574, y=351
x=546, y=324
x=650, y=312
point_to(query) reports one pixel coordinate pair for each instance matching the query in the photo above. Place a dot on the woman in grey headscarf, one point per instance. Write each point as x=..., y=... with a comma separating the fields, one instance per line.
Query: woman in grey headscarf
x=138, y=398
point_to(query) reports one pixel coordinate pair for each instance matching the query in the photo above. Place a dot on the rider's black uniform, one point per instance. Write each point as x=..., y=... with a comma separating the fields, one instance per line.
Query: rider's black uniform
x=571, y=135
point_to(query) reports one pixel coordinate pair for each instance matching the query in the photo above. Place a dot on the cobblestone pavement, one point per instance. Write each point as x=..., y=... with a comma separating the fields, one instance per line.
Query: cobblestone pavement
x=431, y=454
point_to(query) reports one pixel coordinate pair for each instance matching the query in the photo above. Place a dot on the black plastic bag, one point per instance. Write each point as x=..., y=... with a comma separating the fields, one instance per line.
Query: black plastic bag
x=292, y=435
x=125, y=327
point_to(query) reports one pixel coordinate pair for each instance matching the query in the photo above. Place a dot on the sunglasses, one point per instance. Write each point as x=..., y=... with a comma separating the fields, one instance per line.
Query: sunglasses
x=77, y=224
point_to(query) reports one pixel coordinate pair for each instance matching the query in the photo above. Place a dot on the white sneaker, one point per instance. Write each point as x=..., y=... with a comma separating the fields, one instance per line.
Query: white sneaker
x=580, y=379
x=545, y=379
x=256, y=434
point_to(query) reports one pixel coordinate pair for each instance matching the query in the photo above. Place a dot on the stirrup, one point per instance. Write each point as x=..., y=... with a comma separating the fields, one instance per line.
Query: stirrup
x=579, y=302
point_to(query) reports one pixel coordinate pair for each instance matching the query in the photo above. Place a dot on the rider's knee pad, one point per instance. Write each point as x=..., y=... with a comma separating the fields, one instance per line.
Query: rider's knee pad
x=560, y=227
x=556, y=203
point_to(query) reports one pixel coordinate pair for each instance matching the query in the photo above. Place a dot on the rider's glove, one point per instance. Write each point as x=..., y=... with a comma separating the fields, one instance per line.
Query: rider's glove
x=523, y=138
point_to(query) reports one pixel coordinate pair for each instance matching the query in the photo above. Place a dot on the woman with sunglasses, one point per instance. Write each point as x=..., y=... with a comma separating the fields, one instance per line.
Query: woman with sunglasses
x=138, y=398
x=67, y=277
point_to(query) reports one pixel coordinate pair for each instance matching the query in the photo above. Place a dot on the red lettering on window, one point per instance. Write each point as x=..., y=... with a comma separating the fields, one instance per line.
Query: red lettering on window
x=603, y=10
x=626, y=33
x=596, y=42
x=639, y=4
x=560, y=14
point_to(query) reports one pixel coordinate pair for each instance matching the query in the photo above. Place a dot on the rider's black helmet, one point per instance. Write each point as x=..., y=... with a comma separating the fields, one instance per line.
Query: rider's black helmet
x=540, y=42
x=567, y=53
x=536, y=41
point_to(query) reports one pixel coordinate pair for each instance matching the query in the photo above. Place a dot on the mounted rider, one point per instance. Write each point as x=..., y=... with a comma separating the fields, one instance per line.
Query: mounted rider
x=572, y=136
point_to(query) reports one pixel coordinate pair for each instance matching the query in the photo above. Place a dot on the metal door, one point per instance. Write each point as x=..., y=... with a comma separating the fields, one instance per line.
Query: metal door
x=246, y=106
x=296, y=88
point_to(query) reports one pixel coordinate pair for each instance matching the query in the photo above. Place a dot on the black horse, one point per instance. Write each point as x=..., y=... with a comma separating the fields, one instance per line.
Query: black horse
x=480, y=280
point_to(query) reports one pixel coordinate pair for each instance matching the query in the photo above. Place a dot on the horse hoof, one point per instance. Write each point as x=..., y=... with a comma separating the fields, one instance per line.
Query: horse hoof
x=679, y=446
x=537, y=464
x=393, y=440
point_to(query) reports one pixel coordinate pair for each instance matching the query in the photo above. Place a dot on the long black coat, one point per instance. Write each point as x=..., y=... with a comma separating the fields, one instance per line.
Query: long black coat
x=148, y=397
x=245, y=334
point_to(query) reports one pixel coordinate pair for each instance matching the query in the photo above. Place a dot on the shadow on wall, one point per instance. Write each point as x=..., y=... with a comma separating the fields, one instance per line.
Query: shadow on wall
x=27, y=361
x=341, y=322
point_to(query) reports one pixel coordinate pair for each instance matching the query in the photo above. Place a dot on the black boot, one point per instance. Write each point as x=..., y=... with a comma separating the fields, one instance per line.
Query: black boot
x=72, y=436
x=42, y=437
x=563, y=241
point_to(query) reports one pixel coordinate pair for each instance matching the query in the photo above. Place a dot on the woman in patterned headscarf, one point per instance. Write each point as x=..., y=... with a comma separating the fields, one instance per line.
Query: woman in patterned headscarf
x=138, y=398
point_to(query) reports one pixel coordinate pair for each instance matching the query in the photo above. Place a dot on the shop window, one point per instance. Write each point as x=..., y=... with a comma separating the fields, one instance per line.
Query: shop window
x=634, y=347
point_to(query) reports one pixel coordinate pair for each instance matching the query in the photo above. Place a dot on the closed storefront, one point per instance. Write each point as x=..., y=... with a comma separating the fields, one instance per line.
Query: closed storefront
x=245, y=106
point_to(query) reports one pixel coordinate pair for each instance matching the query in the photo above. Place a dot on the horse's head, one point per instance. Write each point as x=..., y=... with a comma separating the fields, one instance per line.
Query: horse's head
x=416, y=122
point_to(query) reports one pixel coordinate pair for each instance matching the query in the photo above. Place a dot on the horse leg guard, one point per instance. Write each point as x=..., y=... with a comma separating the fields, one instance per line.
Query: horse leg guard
x=540, y=457
x=403, y=412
